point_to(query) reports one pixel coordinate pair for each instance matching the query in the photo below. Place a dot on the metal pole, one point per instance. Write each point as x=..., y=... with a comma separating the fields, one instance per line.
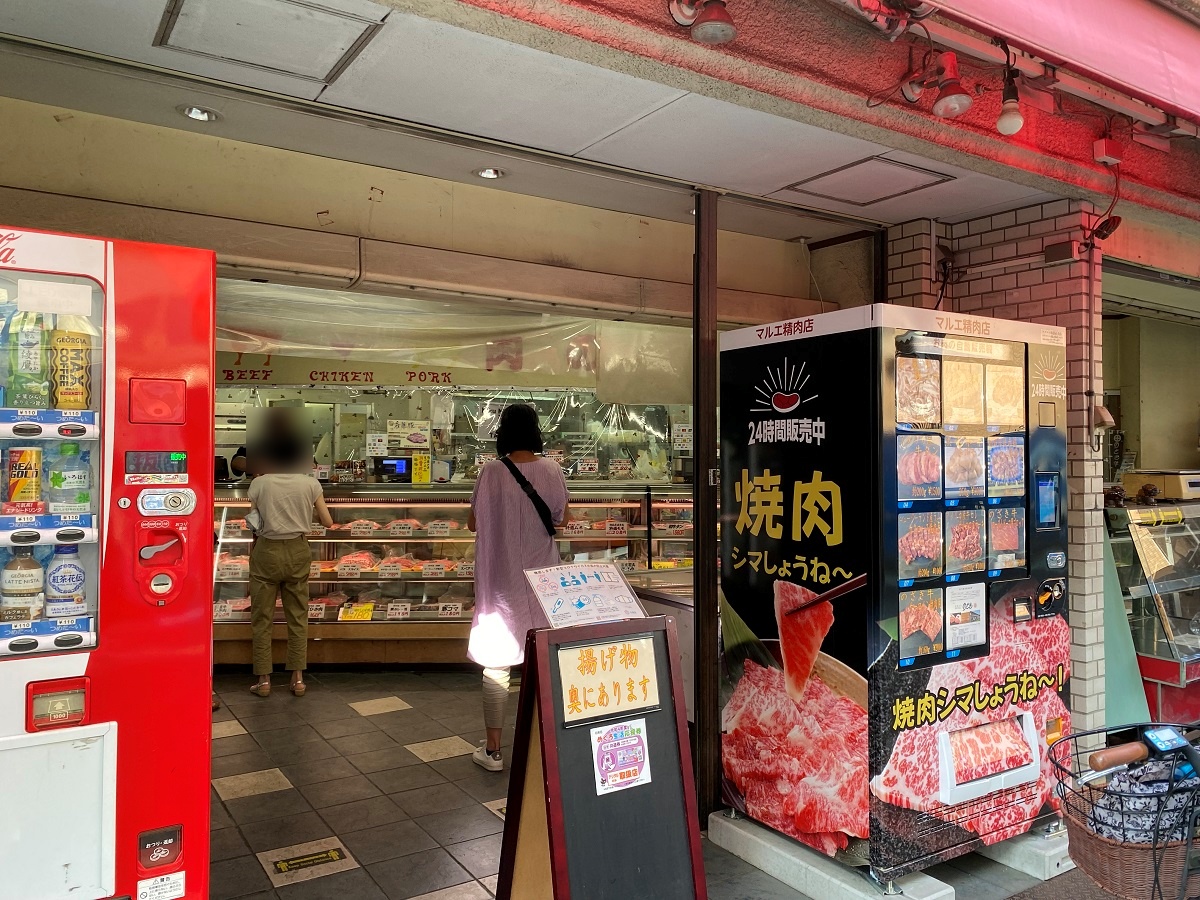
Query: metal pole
x=705, y=483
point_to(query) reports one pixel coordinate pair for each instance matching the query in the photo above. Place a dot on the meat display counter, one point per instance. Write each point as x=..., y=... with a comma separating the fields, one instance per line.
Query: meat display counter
x=393, y=580
x=1157, y=555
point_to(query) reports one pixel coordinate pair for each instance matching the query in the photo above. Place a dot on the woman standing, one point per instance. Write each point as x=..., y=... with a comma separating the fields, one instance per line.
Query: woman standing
x=284, y=500
x=518, y=500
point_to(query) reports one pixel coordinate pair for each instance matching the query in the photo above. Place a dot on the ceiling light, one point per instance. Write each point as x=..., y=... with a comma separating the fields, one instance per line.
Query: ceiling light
x=1011, y=121
x=709, y=20
x=952, y=99
x=491, y=173
x=198, y=113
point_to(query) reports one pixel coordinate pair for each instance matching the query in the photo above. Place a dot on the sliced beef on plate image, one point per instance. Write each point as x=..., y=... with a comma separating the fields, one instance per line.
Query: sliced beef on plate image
x=911, y=777
x=795, y=741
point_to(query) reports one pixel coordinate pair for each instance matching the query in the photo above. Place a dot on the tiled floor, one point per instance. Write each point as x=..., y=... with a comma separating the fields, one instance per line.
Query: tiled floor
x=370, y=777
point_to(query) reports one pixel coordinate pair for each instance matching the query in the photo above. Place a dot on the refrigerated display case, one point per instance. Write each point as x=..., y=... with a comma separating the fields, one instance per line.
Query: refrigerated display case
x=894, y=565
x=106, y=414
x=1157, y=555
x=393, y=580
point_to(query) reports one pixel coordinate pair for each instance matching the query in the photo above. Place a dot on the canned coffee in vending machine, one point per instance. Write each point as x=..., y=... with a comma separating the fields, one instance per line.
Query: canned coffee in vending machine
x=105, y=567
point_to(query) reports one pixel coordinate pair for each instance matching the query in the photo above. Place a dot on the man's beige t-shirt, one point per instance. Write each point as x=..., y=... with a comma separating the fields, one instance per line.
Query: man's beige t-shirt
x=286, y=503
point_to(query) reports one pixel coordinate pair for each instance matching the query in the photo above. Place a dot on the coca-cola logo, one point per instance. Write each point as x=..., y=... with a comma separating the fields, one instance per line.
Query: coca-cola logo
x=8, y=253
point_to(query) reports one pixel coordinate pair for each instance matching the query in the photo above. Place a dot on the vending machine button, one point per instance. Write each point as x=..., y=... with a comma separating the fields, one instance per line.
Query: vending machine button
x=162, y=583
x=27, y=429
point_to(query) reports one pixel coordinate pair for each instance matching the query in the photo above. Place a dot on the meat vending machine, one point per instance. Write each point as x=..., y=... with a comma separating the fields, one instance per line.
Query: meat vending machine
x=105, y=568
x=895, y=647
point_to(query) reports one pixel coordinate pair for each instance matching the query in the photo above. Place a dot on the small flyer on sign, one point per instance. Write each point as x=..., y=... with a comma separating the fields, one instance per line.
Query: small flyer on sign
x=622, y=756
x=584, y=594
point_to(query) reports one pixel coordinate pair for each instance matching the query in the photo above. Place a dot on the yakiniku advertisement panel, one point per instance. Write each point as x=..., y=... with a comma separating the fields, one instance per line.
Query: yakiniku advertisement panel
x=879, y=520
x=797, y=511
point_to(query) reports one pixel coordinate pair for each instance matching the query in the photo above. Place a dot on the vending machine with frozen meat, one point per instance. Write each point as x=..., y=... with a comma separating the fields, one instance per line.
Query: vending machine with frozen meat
x=895, y=649
x=106, y=358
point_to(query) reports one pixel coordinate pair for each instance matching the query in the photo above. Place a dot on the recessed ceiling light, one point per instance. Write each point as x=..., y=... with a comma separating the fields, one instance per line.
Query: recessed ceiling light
x=198, y=113
x=491, y=173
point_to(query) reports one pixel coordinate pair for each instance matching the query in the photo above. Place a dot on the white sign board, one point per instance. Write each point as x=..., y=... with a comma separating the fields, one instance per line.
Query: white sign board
x=584, y=594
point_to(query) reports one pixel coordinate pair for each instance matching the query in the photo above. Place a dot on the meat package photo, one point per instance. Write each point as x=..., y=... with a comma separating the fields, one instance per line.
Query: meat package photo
x=794, y=734
x=1022, y=676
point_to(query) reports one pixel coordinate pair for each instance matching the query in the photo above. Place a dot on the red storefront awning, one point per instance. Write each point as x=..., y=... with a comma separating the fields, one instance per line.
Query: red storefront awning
x=1134, y=46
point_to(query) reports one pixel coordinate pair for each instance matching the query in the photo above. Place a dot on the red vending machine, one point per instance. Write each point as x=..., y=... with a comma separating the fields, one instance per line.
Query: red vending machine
x=106, y=359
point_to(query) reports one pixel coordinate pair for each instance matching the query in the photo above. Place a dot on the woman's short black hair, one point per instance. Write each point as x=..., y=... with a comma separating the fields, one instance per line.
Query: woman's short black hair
x=519, y=430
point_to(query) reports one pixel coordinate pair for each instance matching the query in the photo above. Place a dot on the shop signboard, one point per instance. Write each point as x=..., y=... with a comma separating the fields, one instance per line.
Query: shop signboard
x=867, y=629
x=409, y=434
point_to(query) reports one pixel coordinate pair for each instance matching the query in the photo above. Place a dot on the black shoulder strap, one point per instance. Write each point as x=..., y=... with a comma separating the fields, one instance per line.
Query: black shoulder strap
x=539, y=504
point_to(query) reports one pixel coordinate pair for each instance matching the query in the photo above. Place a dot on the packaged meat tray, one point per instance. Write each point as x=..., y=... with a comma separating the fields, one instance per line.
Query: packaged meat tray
x=1006, y=538
x=962, y=393
x=918, y=467
x=1005, y=396
x=964, y=468
x=920, y=545
x=921, y=622
x=1006, y=467
x=965, y=541
x=918, y=392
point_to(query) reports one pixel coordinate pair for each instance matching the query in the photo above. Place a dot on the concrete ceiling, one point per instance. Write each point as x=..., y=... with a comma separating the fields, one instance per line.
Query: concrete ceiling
x=328, y=62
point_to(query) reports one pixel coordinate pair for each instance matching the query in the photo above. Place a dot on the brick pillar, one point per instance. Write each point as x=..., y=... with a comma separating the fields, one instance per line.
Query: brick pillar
x=912, y=263
x=1066, y=295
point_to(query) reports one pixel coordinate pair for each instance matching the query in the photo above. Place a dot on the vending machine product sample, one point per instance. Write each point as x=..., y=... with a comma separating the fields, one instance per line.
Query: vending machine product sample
x=105, y=567
x=895, y=649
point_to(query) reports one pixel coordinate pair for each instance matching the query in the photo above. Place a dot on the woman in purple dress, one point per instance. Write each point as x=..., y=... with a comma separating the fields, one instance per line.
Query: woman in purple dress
x=511, y=535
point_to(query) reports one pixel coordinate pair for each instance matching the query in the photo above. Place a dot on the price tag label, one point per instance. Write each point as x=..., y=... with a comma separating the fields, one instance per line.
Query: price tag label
x=620, y=468
x=356, y=612
x=314, y=570
x=222, y=611
x=627, y=565
x=589, y=465
x=398, y=611
x=677, y=528
x=449, y=610
x=466, y=570
x=616, y=529
x=439, y=529
x=231, y=531
x=361, y=531
x=316, y=610
x=401, y=529
x=481, y=458
x=349, y=570
x=318, y=531
x=575, y=529
x=433, y=570
x=229, y=571
x=557, y=455
x=391, y=570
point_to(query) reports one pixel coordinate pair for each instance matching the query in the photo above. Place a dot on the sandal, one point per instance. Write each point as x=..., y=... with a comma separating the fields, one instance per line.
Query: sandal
x=298, y=688
x=261, y=689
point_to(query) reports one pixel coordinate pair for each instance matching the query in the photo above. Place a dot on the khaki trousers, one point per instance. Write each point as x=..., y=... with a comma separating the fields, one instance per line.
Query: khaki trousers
x=280, y=568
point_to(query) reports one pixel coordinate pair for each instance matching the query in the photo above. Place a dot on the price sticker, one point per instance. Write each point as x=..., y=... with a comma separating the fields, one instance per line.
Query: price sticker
x=356, y=612
x=466, y=570
x=222, y=611
x=401, y=529
x=349, y=570
x=314, y=570
x=438, y=529
x=231, y=531
x=398, y=611
x=231, y=571
x=557, y=455
x=361, y=530
x=317, y=531
x=627, y=565
x=449, y=610
x=677, y=528
x=433, y=570
x=620, y=468
x=575, y=529
x=616, y=529
x=316, y=610
x=589, y=465
x=391, y=570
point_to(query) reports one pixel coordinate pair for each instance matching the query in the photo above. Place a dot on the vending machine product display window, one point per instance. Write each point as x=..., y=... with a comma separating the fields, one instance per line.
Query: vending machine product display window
x=894, y=574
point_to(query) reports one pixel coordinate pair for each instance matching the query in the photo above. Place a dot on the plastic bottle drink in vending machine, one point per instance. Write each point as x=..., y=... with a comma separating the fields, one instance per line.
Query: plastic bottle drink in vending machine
x=71, y=345
x=27, y=340
x=66, y=583
x=70, y=489
x=22, y=584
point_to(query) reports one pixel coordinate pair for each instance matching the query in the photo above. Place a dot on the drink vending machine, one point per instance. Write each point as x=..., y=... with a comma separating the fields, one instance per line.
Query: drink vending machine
x=106, y=359
x=896, y=652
